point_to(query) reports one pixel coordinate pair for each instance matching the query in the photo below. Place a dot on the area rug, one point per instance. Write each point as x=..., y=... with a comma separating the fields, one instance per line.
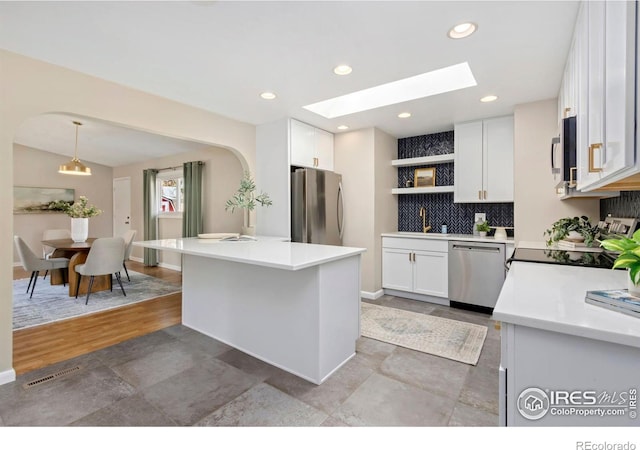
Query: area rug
x=52, y=303
x=452, y=339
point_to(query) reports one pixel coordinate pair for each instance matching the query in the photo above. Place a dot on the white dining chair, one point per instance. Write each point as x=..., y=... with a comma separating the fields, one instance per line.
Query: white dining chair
x=128, y=237
x=49, y=235
x=33, y=264
x=105, y=258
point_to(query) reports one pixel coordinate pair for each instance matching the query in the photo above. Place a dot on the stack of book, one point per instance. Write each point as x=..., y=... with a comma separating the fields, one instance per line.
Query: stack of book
x=570, y=245
x=616, y=300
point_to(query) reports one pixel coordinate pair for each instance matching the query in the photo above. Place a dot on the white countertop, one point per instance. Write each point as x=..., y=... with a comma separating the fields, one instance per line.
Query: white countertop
x=266, y=251
x=543, y=246
x=447, y=237
x=551, y=297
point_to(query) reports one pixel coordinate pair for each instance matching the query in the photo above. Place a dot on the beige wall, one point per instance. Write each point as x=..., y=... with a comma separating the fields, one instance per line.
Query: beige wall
x=386, y=204
x=29, y=87
x=36, y=168
x=536, y=206
x=363, y=158
x=222, y=174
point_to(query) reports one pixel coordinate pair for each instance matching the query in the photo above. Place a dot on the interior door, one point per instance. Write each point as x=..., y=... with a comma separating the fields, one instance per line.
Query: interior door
x=121, y=205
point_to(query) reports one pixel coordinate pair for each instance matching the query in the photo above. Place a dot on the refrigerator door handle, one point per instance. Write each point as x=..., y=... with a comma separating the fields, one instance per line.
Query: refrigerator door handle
x=340, y=206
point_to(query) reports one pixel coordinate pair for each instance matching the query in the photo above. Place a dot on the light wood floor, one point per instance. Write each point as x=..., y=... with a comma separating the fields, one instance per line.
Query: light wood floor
x=44, y=345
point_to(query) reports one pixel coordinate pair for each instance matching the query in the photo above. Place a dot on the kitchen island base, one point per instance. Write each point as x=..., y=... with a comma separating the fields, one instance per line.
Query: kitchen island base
x=304, y=321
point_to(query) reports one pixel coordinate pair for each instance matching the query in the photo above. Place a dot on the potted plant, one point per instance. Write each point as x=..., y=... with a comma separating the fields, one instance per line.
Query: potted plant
x=576, y=229
x=628, y=258
x=246, y=199
x=483, y=228
x=80, y=212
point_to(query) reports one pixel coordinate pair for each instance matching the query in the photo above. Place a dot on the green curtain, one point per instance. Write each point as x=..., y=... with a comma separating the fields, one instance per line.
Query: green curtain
x=192, y=199
x=150, y=214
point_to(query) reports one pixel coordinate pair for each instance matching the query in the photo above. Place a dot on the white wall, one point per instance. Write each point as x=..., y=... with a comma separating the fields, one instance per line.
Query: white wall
x=536, y=206
x=35, y=168
x=29, y=87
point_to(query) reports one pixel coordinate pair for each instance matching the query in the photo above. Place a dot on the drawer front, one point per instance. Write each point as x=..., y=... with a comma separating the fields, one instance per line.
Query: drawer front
x=426, y=244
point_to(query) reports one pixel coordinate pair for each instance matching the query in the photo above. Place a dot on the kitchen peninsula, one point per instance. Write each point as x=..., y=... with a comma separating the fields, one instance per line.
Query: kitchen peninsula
x=295, y=306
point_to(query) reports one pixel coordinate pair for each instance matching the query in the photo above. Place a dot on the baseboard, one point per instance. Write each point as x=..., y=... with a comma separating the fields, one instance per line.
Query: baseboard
x=420, y=297
x=8, y=376
x=372, y=295
x=17, y=264
x=161, y=264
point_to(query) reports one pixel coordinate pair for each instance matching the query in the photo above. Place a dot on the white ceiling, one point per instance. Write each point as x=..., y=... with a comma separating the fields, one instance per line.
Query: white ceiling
x=221, y=55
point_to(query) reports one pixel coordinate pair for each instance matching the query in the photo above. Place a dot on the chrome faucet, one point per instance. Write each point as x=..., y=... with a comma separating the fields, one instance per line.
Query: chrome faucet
x=423, y=214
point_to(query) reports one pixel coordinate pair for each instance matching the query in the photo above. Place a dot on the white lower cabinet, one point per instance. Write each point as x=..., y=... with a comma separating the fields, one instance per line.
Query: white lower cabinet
x=415, y=266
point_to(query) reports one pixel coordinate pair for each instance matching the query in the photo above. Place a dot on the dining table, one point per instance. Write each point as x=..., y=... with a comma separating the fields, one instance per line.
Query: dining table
x=77, y=253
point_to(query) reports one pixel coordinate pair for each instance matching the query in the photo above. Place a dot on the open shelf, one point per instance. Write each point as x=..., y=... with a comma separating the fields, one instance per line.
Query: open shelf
x=436, y=159
x=422, y=190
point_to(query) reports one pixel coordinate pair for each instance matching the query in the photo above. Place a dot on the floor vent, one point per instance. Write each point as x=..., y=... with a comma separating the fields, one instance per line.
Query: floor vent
x=51, y=377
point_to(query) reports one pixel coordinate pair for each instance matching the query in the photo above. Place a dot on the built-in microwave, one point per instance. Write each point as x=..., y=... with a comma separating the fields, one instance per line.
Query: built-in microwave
x=563, y=152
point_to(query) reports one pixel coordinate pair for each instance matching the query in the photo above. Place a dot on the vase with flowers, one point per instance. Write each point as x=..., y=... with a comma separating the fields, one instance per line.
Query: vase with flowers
x=80, y=212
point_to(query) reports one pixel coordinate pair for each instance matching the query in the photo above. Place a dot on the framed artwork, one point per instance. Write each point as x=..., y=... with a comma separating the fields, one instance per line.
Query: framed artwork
x=425, y=177
x=37, y=200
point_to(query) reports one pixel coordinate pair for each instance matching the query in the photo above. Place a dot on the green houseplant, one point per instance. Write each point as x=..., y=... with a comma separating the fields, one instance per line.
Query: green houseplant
x=629, y=257
x=245, y=198
x=568, y=227
x=483, y=228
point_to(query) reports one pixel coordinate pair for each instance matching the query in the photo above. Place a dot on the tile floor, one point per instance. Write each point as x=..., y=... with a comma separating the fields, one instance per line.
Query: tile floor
x=178, y=377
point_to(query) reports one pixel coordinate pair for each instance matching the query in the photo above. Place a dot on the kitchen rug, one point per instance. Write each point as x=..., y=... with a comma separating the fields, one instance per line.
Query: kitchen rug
x=452, y=339
x=52, y=303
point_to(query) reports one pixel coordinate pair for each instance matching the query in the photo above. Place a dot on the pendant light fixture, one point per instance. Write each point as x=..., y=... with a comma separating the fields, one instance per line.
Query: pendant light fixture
x=75, y=167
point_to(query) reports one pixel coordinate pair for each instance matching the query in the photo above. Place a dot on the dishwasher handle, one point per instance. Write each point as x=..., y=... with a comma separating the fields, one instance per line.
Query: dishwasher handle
x=475, y=248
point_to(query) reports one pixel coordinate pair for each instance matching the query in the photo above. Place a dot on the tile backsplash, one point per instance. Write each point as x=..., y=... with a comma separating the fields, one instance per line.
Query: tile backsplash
x=459, y=217
x=627, y=205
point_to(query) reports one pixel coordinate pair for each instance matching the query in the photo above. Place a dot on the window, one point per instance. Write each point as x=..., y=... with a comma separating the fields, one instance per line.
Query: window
x=170, y=192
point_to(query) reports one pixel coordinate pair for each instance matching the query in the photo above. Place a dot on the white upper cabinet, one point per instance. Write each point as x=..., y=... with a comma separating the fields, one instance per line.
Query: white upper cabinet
x=607, y=30
x=310, y=146
x=484, y=161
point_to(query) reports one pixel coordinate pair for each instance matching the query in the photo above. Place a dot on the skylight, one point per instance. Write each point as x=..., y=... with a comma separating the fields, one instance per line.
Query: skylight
x=447, y=79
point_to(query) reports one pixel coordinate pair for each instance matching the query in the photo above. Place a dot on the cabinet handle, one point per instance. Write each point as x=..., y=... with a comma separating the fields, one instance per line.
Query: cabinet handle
x=479, y=195
x=409, y=257
x=485, y=194
x=414, y=257
x=573, y=174
x=592, y=149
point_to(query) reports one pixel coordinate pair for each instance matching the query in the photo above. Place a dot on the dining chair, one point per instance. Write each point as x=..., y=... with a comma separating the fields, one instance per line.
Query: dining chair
x=128, y=240
x=105, y=258
x=47, y=252
x=33, y=264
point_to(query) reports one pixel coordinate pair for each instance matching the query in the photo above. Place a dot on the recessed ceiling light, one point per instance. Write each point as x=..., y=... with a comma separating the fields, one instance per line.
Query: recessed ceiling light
x=268, y=95
x=342, y=69
x=462, y=30
x=404, y=115
x=438, y=81
x=343, y=127
x=489, y=98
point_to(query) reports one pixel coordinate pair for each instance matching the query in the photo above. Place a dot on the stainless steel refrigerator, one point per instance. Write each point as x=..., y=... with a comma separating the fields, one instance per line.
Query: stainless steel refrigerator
x=317, y=207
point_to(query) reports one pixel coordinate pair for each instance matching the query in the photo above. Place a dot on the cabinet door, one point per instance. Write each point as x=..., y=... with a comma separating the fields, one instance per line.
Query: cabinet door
x=596, y=87
x=397, y=269
x=619, y=113
x=498, y=159
x=303, y=150
x=430, y=274
x=324, y=149
x=582, y=121
x=468, y=162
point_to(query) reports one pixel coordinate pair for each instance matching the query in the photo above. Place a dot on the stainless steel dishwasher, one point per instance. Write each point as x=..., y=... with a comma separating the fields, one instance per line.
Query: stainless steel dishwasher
x=476, y=274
